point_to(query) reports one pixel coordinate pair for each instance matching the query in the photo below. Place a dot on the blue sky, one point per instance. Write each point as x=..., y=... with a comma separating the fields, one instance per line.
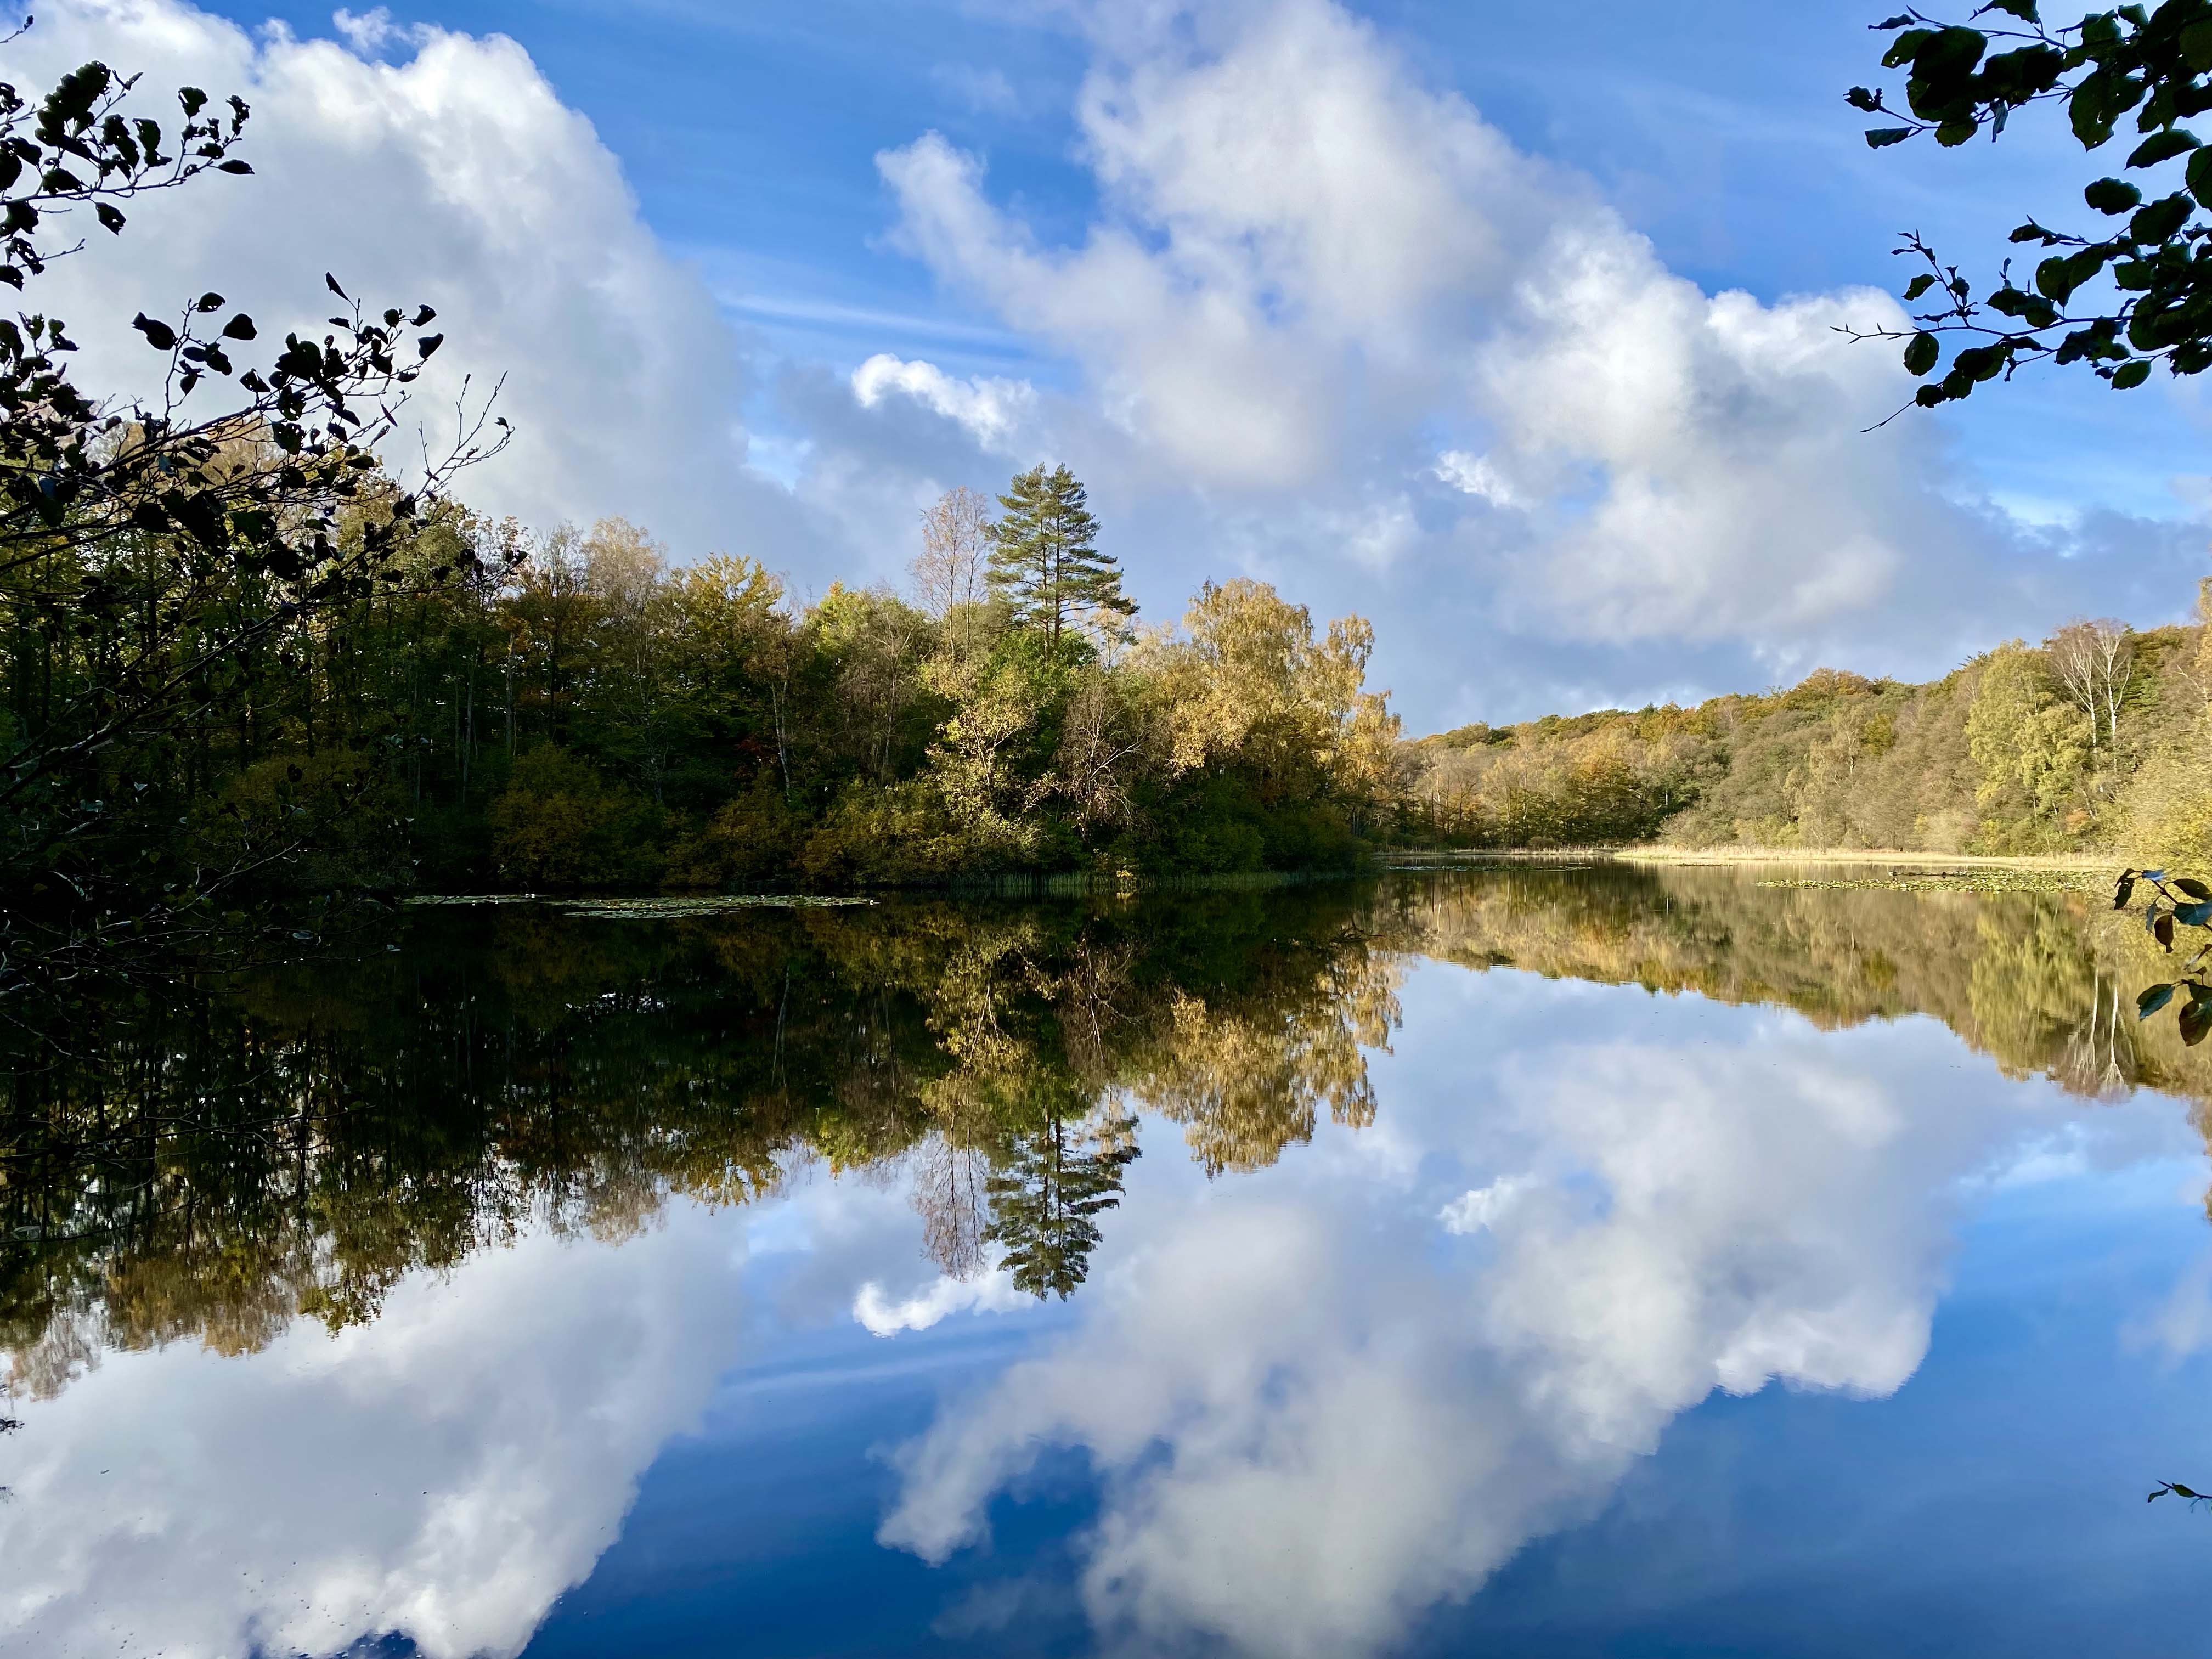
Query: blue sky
x=1292, y=283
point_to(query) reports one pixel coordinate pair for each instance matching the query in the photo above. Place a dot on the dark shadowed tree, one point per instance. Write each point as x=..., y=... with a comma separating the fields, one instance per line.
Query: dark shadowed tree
x=150, y=552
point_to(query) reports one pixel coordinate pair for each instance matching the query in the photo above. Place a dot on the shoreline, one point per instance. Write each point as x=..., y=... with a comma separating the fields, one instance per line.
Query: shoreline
x=1660, y=853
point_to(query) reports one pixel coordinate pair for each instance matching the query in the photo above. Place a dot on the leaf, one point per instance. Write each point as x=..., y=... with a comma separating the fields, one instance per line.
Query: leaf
x=2195, y=1021
x=429, y=343
x=239, y=327
x=331, y=283
x=2194, y=888
x=2161, y=929
x=2197, y=44
x=2023, y=9
x=2162, y=146
x=1902, y=49
x=2161, y=218
x=2113, y=196
x=1882, y=137
x=2123, y=890
x=1918, y=286
x=159, y=336
x=1920, y=353
x=2193, y=915
x=233, y=166
x=2152, y=875
x=2057, y=277
x=110, y=215
x=2153, y=1000
x=2130, y=375
x=208, y=302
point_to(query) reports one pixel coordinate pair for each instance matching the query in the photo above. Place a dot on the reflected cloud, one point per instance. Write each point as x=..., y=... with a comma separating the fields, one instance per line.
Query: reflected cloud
x=446, y=1471
x=882, y=1316
x=356, y=1299
x=1310, y=1424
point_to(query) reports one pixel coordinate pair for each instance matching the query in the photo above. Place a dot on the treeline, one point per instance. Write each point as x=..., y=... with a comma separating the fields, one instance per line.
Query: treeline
x=572, y=709
x=2088, y=740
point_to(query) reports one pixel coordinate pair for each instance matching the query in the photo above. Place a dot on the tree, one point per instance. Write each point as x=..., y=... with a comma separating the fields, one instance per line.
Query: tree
x=948, y=572
x=2141, y=293
x=1253, y=685
x=1045, y=560
x=1045, y=1195
x=2032, y=748
x=2091, y=661
x=167, y=562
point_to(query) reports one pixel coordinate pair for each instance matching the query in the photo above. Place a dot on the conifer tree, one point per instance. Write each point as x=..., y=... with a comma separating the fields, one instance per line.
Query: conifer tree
x=1045, y=561
x=1044, y=1195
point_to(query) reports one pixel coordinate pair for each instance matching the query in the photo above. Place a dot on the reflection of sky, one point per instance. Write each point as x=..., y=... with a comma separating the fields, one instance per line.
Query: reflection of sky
x=1491, y=1370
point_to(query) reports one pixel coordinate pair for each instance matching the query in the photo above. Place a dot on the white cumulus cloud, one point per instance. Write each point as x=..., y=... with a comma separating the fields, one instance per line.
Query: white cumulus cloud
x=882, y=1315
x=455, y=177
x=991, y=409
x=1307, y=263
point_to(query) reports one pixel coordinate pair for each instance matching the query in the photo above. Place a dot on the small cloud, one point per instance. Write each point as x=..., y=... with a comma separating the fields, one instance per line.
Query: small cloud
x=993, y=1293
x=2181, y=1324
x=1478, y=476
x=988, y=408
x=1482, y=1209
x=368, y=33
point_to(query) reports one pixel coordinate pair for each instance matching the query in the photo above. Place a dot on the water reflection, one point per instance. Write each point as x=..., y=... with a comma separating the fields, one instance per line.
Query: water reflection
x=1316, y=1404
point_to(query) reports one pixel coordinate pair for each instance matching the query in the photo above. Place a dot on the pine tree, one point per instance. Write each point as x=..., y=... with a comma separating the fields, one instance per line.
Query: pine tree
x=1045, y=561
x=1043, y=1195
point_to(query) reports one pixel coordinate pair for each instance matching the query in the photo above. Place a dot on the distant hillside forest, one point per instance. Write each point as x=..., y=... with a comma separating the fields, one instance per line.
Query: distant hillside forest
x=2093, y=738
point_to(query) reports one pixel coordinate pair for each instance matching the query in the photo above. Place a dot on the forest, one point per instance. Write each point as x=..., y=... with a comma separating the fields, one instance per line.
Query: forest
x=571, y=710
x=2081, y=743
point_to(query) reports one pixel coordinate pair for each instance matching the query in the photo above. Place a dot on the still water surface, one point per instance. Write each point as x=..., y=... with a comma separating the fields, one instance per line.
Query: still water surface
x=1546, y=1262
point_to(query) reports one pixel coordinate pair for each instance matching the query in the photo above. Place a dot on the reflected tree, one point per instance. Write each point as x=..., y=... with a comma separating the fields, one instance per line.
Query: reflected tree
x=1046, y=1193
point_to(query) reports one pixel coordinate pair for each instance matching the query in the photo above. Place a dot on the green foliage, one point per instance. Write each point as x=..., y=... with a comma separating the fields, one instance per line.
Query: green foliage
x=2002, y=755
x=2148, y=286
x=573, y=712
x=1047, y=1192
x=317, y=823
x=559, y=824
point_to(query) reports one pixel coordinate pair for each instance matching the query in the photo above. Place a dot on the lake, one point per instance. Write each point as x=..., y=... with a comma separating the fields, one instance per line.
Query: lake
x=1513, y=1261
